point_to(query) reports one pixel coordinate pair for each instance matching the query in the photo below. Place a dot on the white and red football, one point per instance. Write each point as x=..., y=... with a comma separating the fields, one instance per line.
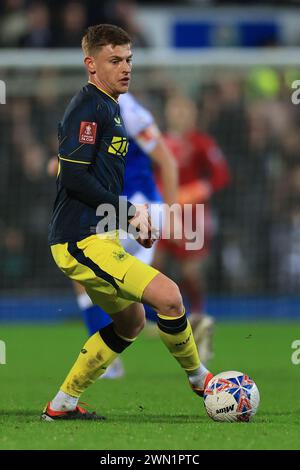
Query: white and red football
x=231, y=396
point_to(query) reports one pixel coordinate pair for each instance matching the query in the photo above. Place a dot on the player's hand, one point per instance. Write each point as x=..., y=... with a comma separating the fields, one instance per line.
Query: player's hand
x=198, y=191
x=141, y=221
x=146, y=243
x=52, y=166
x=153, y=236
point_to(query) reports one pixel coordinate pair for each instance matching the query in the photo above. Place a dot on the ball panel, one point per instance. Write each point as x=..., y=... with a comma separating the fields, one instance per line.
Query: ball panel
x=221, y=407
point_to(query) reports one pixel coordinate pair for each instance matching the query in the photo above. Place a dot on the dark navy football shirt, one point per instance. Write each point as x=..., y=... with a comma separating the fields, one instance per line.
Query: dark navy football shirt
x=92, y=148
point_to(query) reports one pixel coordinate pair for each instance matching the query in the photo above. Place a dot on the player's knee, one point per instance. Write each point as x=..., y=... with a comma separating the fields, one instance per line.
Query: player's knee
x=132, y=325
x=171, y=304
x=139, y=325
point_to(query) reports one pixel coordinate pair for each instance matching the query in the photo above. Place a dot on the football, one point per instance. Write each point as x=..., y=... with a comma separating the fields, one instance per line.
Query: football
x=231, y=396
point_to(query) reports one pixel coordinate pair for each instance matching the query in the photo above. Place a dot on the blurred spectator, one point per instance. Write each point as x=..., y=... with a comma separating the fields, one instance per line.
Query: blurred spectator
x=285, y=241
x=47, y=109
x=73, y=24
x=250, y=115
x=246, y=135
x=33, y=162
x=39, y=33
x=123, y=14
x=13, y=24
x=14, y=267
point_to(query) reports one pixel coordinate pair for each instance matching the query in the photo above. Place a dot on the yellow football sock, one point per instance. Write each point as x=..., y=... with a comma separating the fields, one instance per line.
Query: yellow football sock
x=177, y=335
x=95, y=356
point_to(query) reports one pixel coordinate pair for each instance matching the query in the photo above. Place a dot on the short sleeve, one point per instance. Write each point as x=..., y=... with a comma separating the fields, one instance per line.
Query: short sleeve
x=139, y=123
x=136, y=118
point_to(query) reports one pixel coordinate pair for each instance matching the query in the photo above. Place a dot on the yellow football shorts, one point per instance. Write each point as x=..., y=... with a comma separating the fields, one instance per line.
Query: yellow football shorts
x=112, y=278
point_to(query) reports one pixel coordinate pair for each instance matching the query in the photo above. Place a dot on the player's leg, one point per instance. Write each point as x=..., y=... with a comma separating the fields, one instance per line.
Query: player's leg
x=192, y=283
x=103, y=347
x=79, y=262
x=95, y=356
x=191, y=268
x=158, y=262
x=121, y=281
x=96, y=318
x=175, y=330
x=125, y=323
x=193, y=286
x=93, y=316
x=131, y=246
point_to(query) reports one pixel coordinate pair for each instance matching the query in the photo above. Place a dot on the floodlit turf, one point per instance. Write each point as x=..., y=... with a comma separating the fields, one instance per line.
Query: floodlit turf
x=152, y=407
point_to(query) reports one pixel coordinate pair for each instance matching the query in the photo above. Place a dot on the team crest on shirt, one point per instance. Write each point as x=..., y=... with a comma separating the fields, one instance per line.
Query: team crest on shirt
x=87, y=133
x=120, y=255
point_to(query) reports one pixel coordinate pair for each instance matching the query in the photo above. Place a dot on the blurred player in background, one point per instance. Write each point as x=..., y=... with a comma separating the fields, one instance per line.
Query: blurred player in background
x=202, y=171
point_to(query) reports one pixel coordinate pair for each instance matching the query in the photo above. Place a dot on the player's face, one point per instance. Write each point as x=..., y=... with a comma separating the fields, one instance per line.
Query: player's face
x=111, y=68
x=181, y=114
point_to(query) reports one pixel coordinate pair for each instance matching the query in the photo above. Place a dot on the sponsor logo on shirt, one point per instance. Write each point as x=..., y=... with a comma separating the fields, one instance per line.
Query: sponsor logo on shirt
x=118, y=146
x=118, y=121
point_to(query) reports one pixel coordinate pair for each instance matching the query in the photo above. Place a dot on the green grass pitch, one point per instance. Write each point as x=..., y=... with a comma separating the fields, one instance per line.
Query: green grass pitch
x=152, y=407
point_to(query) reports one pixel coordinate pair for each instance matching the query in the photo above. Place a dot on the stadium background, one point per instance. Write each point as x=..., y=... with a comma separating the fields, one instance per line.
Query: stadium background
x=237, y=62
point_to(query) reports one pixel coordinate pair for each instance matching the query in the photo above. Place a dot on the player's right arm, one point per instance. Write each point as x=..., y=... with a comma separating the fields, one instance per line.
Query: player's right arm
x=139, y=221
x=82, y=185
